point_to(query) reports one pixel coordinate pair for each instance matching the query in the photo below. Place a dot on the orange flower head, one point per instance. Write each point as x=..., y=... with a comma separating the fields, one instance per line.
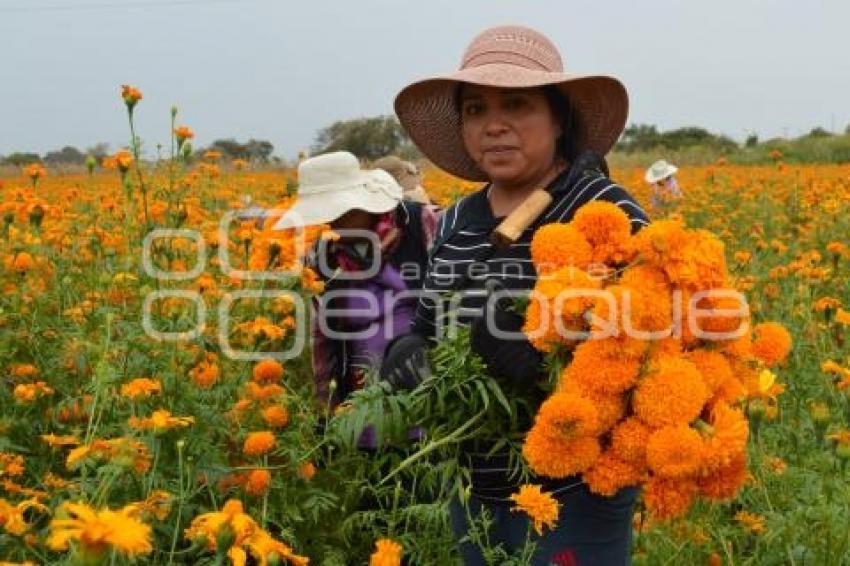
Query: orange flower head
x=559, y=245
x=674, y=451
x=608, y=230
x=387, y=553
x=610, y=474
x=183, y=133
x=258, y=443
x=554, y=456
x=275, y=416
x=772, y=343
x=257, y=482
x=268, y=371
x=667, y=498
x=724, y=483
x=131, y=96
x=672, y=394
x=541, y=508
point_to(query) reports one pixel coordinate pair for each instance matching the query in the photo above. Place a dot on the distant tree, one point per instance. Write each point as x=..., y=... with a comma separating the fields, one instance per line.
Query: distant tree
x=367, y=138
x=68, y=155
x=638, y=137
x=20, y=159
x=752, y=140
x=819, y=133
x=259, y=151
x=98, y=150
x=847, y=130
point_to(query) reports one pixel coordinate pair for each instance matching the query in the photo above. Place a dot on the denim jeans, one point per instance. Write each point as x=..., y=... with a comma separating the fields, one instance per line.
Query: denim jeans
x=591, y=530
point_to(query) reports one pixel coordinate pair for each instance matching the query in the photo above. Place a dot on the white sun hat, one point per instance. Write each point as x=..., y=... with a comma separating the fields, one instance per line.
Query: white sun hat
x=332, y=184
x=659, y=170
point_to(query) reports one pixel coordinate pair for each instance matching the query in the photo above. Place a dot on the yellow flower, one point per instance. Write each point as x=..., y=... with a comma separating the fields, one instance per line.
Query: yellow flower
x=140, y=387
x=12, y=516
x=97, y=531
x=540, y=507
x=751, y=521
x=160, y=421
x=842, y=317
x=387, y=553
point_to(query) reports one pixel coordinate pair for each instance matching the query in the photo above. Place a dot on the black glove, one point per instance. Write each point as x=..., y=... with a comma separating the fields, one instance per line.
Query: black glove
x=406, y=362
x=514, y=360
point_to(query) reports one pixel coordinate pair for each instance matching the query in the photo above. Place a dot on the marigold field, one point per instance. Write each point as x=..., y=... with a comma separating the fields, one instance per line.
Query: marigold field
x=170, y=438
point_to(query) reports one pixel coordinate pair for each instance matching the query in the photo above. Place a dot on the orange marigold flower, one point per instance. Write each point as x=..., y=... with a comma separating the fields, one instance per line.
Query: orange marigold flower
x=674, y=451
x=672, y=394
x=11, y=465
x=206, y=373
x=306, y=471
x=724, y=436
x=183, y=133
x=842, y=317
x=275, y=416
x=35, y=171
x=712, y=366
x=258, y=443
x=772, y=343
x=596, y=367
x=141, y=387
x=123, y=160
x=568, y=415
x=667, y=498
x=610, y=474
x=268, y=371
x=724, y=483
x=559, y=245
x=257, y=482
x=387, y=553
x=552, y=455
x=263, y=392
x=131, y=95
x=22, y=262
x=541, y=508
x=30, y=392
x=608, y=230
x=629, y=439
x=23, y=371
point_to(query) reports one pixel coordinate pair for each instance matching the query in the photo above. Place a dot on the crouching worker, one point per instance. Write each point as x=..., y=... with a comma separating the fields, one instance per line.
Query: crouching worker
x=372, y=264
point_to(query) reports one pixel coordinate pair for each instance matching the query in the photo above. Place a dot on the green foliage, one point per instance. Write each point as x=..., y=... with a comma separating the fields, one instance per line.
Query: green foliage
x=367, y=138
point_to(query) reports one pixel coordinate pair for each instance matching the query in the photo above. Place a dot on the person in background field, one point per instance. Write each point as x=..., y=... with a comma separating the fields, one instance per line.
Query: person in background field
x=513, y=119
x=407, y=175
x=665, y=188
x=334, y=190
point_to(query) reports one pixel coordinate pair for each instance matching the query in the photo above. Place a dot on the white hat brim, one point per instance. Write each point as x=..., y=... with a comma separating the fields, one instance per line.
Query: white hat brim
x=326, y=204
x=652, y=177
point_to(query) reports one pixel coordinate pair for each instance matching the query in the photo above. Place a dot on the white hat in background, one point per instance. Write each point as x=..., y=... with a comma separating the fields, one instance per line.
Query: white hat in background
x=659, y=170
x=332, y=184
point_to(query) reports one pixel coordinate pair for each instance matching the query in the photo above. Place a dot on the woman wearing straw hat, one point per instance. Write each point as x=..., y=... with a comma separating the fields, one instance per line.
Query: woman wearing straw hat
x=513, y=119
x=380, y=254
x=665, y=188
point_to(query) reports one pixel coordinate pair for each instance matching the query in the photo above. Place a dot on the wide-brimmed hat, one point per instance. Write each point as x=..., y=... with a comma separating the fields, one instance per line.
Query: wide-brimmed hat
x=659, y=170
x=408, y=176
x=508, y=57
x=332, y=184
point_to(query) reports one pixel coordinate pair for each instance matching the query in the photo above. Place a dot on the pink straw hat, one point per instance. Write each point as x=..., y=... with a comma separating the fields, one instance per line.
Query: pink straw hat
x=508, y=57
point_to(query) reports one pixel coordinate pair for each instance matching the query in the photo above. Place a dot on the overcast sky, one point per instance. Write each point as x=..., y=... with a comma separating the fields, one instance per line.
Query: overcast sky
x=278, y=70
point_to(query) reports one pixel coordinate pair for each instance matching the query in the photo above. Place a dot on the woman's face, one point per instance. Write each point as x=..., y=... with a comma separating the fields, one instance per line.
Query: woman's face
x=509, y=133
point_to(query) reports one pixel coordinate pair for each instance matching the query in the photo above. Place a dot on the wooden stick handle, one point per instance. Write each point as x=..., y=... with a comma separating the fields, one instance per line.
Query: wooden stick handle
x=521, y=218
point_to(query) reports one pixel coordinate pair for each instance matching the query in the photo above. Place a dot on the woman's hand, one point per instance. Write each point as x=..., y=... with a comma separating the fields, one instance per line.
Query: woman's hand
x=513, y=359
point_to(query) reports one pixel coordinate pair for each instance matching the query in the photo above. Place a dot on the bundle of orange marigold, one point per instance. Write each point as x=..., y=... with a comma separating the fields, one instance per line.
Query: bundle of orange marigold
x=663, y=360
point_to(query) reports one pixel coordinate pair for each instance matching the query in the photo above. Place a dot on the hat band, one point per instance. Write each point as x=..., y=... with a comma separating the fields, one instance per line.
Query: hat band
x=505, y=57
